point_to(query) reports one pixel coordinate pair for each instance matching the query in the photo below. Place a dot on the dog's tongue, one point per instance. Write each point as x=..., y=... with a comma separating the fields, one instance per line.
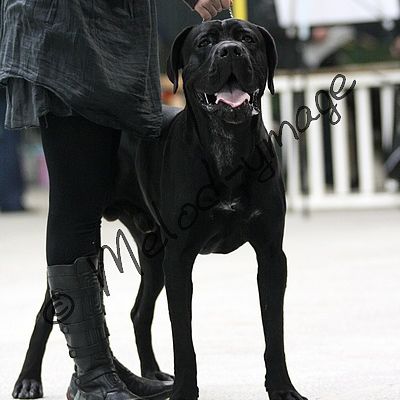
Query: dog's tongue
x=234, y=97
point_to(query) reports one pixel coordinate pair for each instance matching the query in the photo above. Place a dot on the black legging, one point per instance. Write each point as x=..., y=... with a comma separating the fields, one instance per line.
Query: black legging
x=82, y=162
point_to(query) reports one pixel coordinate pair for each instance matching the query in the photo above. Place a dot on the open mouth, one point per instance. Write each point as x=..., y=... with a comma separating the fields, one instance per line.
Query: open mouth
x=231, y=94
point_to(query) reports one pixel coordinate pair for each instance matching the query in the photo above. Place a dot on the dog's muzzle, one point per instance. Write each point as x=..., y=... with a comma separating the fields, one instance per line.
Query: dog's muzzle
x=230, y=83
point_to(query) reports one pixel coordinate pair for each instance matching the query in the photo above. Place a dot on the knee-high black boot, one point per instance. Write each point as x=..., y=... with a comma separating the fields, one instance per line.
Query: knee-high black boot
x=76, y=294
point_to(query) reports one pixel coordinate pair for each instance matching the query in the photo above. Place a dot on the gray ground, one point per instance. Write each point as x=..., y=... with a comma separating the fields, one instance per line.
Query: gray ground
x=342, y=309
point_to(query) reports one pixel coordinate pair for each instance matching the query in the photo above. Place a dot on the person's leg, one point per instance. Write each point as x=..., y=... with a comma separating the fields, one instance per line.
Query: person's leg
x=82, y=160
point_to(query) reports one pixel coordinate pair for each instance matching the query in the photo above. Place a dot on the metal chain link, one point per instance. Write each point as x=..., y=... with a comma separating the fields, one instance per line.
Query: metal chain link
x=230, y=11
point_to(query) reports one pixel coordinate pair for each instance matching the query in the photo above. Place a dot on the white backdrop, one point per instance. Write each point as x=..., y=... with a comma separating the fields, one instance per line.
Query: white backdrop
x=320, y=12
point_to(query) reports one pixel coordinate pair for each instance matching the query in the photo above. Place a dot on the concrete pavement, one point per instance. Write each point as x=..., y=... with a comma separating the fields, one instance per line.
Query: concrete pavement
x=342, y=309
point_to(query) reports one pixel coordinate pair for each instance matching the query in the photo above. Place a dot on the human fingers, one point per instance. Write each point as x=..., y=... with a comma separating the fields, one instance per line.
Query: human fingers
x=203, y=12
x=207, y=9
x=217, y=5
x=226, y=4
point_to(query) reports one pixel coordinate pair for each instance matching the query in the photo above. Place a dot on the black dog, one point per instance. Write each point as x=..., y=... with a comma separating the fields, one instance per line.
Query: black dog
x=209, y=185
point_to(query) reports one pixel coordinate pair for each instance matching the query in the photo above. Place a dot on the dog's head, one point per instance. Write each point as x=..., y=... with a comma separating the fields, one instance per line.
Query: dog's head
x=226, y=66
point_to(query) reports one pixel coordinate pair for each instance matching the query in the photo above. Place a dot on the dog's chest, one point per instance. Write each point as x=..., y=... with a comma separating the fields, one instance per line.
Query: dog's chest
x=228, y=224
x=232, y=211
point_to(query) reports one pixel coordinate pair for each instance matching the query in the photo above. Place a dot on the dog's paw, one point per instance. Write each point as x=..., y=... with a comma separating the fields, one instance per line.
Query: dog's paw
x=285, y=395
x=158, y=375
x=28, y=389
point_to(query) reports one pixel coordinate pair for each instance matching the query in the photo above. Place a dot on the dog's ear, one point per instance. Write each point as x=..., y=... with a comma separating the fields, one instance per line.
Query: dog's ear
x=175, y=62
x=272, y=57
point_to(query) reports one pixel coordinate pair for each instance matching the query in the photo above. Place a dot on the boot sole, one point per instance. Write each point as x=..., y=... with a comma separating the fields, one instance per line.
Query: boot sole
x=72, y=394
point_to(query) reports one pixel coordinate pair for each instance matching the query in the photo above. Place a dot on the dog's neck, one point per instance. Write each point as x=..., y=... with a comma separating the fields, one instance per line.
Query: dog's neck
x=226, y=145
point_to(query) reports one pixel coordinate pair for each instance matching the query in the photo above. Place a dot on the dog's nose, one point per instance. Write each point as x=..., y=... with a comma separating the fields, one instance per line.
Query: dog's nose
x=229, y=49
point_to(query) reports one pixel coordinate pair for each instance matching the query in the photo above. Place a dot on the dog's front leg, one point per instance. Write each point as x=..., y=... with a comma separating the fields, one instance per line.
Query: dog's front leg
x=271, y=279
x=178, y=284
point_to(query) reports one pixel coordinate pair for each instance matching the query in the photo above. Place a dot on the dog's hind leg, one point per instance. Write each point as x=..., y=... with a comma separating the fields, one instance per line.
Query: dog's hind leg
x=142, y=314
x=29, y=382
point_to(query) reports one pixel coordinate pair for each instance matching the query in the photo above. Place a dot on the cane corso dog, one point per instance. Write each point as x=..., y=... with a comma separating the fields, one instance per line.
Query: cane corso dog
x=210, y=184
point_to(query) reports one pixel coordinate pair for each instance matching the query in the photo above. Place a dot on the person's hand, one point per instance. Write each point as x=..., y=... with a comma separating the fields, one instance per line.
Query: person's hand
x=210, y=8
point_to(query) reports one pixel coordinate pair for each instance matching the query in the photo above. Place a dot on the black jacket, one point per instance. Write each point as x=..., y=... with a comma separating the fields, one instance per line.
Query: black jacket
x=100, y=58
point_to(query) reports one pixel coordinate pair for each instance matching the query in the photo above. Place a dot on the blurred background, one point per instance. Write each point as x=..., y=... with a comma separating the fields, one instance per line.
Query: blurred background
x=342, y=232
x=337, y=166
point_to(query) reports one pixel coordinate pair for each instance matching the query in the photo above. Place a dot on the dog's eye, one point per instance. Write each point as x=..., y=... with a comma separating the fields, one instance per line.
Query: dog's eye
x=247, y=39
x=204, y=42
